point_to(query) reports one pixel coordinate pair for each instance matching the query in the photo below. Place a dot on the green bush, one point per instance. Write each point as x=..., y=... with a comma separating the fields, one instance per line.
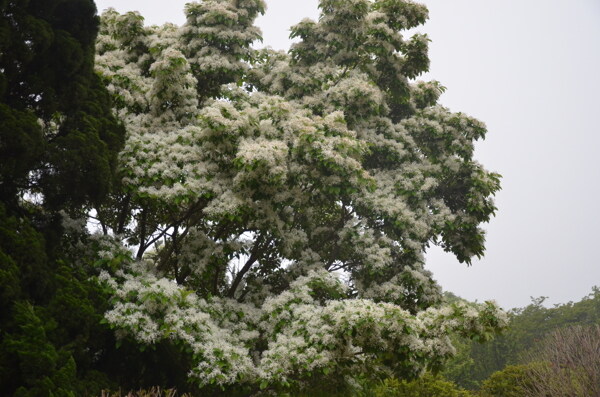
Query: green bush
x=426, y=386
x=152, y=392
x=512, y=381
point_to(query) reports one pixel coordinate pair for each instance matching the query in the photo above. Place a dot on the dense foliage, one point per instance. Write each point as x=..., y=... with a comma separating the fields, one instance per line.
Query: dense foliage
x=59, y=143
x=564, y=363
x=507, y=355
x=59, y=138
x=511, y=381
x=280, y=204
x=267, y=222
x=426, y=386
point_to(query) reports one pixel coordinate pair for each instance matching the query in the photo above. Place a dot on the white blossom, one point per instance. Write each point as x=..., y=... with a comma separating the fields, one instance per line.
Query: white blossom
x=281, y=204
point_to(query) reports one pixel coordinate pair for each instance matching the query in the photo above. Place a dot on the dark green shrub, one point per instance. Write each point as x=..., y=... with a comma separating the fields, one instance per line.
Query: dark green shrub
x=512, y=381
x=426, y=386
x=152, y=392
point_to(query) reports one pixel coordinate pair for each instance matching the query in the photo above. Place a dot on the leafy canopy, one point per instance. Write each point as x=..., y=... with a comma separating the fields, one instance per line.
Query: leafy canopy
x=280, y=204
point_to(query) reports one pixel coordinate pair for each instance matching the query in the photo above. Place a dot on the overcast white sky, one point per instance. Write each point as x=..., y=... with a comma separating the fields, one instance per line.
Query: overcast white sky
x=531, y=71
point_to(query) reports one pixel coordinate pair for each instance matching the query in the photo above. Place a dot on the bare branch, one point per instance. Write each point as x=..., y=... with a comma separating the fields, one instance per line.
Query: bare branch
x=257, y=250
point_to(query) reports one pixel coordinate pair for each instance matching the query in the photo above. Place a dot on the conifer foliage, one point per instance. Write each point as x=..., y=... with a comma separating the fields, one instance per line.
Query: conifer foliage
x=59, y=143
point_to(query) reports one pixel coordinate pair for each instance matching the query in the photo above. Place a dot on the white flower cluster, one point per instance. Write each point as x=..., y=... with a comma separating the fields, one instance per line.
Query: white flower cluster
x=263, y=173
x=217, y=37
x=309, y=327
x=150, y=308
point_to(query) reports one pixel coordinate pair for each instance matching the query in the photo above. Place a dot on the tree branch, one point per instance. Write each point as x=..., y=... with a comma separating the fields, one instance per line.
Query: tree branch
x=123, y=215
x=143, y=245
x=254, y=255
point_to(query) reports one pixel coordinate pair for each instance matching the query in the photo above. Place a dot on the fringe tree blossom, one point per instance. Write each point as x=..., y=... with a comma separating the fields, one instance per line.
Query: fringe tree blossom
x=280, y=205
x=311, y=326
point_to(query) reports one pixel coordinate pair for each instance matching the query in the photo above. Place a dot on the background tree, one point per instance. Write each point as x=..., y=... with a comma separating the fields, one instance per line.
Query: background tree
x=59, y=139
x=279, y=205
x=58, y=144
x=475, y=362
x=569, y=363
x=564, y=363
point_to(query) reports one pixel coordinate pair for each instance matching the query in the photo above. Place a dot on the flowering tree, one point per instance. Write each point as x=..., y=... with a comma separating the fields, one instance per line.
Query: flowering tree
x=280, y=204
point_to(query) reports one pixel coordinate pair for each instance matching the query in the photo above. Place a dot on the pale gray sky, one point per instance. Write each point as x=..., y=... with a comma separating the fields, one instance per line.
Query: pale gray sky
x=531, y=71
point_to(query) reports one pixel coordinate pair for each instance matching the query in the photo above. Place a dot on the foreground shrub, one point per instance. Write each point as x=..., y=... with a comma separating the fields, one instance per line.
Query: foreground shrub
x=427, y=386
x=153, y=392
x=512, y=381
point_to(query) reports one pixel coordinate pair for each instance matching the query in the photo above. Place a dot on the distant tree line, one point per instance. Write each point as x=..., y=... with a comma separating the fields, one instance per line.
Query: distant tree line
x=515, y=358
x=546, y=351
